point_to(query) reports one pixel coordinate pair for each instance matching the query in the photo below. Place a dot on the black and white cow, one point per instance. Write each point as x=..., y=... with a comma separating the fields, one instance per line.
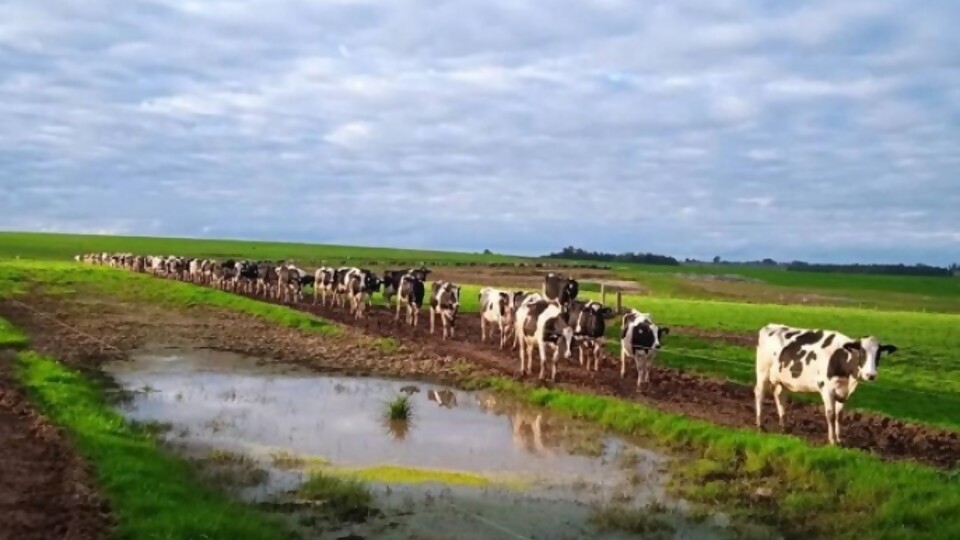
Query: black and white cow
x=324, y=283
x=817, y=361
x=588, y=320
x=496, y=311
x=541, y=324
x=445, y=302
x=559, y=288
x=640, y=338
x=266, y=277
x=360, y=285
x=391, y=281
x=410, y=294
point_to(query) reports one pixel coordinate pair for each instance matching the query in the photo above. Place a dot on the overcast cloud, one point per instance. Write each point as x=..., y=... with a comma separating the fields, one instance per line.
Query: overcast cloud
x=827, y=131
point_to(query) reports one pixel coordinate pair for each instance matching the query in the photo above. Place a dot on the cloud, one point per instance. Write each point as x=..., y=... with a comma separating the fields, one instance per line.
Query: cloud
x=818, y=130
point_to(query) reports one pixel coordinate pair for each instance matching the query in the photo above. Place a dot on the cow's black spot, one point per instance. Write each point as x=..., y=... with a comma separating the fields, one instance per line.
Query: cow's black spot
x=819, y=384
x=829, y=340
x=791, y=357
x=792, y=334
x=844, y=363
x=811, y=356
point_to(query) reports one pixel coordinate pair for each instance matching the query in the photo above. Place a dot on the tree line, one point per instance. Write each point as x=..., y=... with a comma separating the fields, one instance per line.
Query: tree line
x=575, y=253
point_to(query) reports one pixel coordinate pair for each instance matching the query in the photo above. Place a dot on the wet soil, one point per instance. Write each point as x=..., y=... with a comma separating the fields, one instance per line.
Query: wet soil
x=45, y=488
x=424, y=355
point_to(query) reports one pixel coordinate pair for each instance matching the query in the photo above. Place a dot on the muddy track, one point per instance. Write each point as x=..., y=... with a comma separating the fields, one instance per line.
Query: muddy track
x=46, y=490
x=719, y=401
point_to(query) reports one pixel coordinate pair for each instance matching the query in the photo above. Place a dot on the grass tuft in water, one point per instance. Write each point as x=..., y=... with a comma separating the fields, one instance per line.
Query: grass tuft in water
x=400, y=409
x=344, y=499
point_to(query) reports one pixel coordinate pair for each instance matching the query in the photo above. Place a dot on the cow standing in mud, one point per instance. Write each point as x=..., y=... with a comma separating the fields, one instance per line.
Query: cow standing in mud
x=496, y=311
x=816, y=361
x=360, y=285
x=445, y=302
x=589, y=325
x=640, y=339
x=410, y=294
x=541, y=325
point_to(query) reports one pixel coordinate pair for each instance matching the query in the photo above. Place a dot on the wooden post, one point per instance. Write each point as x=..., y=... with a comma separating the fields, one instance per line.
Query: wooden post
x=603, y=294
x=619, y=301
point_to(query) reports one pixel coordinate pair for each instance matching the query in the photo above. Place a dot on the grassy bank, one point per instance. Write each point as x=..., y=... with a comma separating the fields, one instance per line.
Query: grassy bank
x=820, y=491
x=152, y=494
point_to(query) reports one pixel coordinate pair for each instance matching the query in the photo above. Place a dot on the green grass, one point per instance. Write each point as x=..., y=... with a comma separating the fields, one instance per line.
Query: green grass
x=821, y=492
x=392, y=474
x=152, y=494
x=64, y=278
x=399, y=409
x=344, y=499
x=10, y=337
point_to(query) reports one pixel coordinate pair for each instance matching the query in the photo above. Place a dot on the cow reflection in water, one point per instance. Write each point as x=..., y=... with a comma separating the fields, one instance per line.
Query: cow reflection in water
x=443, y=398
x=527, y=426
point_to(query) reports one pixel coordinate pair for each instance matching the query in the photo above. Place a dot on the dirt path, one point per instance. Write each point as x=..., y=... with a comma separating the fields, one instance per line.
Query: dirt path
x=45, y=488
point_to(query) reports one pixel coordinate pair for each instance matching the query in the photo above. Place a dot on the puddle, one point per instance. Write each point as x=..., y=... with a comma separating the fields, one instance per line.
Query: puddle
x=467, y=465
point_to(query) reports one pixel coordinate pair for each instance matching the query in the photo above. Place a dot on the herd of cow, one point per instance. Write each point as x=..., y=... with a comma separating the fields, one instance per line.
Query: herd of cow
x=552, y=322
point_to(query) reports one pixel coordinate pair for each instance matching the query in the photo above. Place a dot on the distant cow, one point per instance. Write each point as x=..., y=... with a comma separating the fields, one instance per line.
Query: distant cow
x=445, y=302
x=640, y=338
x=541, y=324
x=559, y=288
x=391, y=281
x=323, y=284
x=266, y=277
x=410, y=294
x=496, y=309
x=821, y=361
x=360, y=285
x=589, y=325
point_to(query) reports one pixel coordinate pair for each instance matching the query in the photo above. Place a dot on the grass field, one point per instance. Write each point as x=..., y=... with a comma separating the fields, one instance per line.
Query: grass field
x=751, y=284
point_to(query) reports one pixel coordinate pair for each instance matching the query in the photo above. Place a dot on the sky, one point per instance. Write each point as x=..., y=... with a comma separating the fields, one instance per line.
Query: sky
x=827, y=131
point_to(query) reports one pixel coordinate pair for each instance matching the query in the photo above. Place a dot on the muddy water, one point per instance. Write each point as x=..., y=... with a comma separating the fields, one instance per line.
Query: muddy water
x=542, y=476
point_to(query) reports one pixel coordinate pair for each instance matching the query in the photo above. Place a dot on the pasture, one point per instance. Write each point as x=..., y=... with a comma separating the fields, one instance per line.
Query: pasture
x=774, y=485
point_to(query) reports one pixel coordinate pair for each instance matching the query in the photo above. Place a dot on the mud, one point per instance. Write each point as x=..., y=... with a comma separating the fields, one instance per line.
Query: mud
x=424, y=355
x=45, y=488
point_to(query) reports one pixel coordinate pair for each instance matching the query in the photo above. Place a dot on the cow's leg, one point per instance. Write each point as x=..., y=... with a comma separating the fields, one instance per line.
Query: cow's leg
x=829, y=411
x=778, y=397
x=483, y=328
x=433, y=315
x=623, y=361
x=543, y=356
x=639, y=362
x=838, y=408
x=597, y=349
x=758, y=392
x=553, y=363
x=397, y=316
x=581, y=353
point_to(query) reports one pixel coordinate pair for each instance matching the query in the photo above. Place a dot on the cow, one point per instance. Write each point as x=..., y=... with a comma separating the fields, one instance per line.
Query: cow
x=410, y=294
x=323, y=284
x=266, y=277
x=556, y=287
x=589, y=325
x=391, y=281
x=640, y=339
x=817, y=361
x=360, y=285
x=497, y=310
x=247, y=276
x=288, y=284
x=541, y=324
x=445, y=302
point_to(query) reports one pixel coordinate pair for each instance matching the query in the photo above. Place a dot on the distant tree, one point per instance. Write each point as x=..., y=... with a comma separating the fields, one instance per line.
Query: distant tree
x=882, y=269
x=574, y=253
x=717, y=260
x=487, y=252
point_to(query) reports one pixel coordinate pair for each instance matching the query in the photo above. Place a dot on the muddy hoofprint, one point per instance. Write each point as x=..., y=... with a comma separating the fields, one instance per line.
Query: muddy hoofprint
x=551, y=322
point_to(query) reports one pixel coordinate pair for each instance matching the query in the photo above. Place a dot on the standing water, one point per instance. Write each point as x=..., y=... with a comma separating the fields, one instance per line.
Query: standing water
x=465, y=465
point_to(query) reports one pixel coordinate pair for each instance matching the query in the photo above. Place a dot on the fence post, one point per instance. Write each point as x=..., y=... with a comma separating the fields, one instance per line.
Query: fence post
x=603, y=294
x=619, y=301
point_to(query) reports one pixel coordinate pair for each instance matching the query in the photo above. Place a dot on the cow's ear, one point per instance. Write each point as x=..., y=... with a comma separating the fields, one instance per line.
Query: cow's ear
x=664, y=331
x=889, y=349
x=853, y=346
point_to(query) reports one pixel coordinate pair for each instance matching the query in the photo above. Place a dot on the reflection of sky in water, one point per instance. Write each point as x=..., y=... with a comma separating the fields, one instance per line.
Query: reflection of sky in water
x=226, y=400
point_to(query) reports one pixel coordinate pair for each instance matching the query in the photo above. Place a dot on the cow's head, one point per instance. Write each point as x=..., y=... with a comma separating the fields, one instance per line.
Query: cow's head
x=870, y=350
x=570, y=290
x=371, y=283
x=646, y=333
x=565, y=337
